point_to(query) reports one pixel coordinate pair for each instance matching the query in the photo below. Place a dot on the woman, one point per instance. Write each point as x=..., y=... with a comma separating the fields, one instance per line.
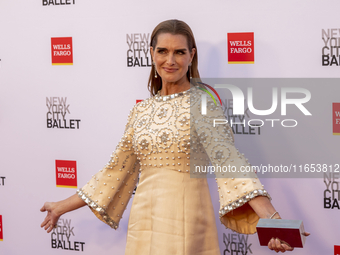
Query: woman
x=171, y=212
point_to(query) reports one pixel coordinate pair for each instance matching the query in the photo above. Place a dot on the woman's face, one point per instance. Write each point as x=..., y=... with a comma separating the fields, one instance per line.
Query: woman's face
x=172, y=57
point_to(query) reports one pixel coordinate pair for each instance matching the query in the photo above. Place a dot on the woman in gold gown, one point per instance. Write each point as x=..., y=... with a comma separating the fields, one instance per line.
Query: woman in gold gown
x=165, y=138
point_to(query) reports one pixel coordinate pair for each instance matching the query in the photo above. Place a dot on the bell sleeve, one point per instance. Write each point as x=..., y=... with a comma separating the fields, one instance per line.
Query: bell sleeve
x=109, y=191
x=236, y=187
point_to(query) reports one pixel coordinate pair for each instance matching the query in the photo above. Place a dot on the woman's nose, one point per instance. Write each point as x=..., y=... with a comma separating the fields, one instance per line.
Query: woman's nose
x=171, y=59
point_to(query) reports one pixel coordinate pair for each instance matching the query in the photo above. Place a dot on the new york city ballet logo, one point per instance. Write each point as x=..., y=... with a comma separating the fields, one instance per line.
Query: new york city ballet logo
x=331, y=194
x=331, y=47
x=239, y=109
x=58, y=2
x=138, y=50
x=57, y=111
x=236, y=244
x=62, y=51
x=66, y=173
x=336, y=118
x=61, y=237
x=240, y=47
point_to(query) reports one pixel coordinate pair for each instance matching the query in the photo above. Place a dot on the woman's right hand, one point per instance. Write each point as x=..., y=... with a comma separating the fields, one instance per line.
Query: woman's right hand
x=56, y=209
x=52, y=216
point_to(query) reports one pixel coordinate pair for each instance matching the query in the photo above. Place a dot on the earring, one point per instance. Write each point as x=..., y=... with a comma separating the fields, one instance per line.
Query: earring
x=190, y=71
x=154, y=66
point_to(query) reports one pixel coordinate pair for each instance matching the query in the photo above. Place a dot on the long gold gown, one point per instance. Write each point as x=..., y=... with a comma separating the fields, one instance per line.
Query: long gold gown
x=172, y=212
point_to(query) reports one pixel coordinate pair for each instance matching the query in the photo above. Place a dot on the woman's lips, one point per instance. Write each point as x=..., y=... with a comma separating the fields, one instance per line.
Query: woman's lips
x=170, y=70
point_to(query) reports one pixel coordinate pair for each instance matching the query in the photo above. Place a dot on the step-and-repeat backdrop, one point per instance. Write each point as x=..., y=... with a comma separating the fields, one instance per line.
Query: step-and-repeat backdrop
x=70, y=71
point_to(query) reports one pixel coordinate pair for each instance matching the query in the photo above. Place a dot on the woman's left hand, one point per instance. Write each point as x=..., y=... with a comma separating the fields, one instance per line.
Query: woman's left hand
x=276, y=245
x=281, y=246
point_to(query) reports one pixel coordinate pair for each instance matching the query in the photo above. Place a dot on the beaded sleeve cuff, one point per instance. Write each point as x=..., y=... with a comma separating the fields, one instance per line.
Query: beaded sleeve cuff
x=100, y=210
x=244, y=199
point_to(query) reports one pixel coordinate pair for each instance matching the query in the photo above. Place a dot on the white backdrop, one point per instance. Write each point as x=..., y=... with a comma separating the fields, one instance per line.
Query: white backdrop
x=101, y=89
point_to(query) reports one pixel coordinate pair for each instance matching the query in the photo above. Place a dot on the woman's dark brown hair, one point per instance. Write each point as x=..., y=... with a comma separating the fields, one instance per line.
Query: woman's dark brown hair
x=175, y=27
